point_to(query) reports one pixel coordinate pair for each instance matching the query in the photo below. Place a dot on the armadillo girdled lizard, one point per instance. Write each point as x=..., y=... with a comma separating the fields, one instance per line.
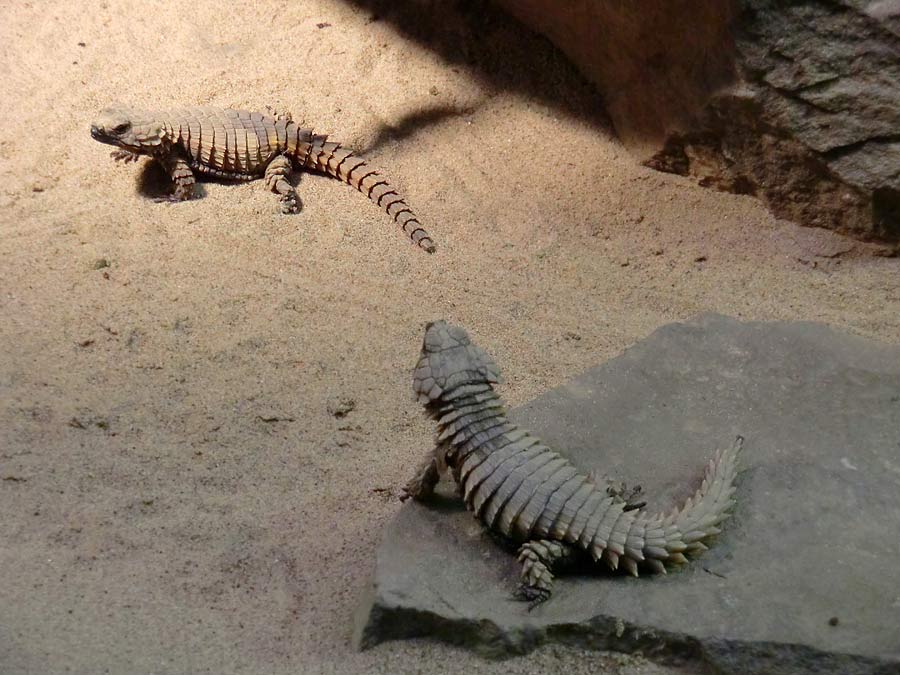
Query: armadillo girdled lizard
x=242, y=145
x=526, y=492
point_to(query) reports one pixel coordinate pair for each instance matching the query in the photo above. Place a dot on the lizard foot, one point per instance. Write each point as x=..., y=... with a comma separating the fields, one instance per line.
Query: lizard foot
x=619, y=491
x=124, y=156
x=279, y=115
x=416, y=489
x=290, y=204
x=421, y=486
x=179, y=195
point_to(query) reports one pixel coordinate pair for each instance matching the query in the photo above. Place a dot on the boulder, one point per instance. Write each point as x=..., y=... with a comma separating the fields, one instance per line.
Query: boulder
x=795, y=102
x=804, y=577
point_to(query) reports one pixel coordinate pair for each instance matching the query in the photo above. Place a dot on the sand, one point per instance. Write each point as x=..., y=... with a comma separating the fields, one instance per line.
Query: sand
x=179, y=489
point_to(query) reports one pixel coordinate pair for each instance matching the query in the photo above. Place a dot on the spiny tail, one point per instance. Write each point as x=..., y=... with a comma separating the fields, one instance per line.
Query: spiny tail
x=656, y=540
x=341, y=163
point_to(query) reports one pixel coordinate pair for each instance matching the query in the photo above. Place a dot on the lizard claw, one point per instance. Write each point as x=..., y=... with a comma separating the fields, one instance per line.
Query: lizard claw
x=413, y=490
x=290, y=204
x=175, y=197
x=533, y=595
x=619, y=491
x=125, y=156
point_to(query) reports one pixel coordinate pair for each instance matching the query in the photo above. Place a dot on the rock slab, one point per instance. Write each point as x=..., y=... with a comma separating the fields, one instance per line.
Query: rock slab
x=805, y=576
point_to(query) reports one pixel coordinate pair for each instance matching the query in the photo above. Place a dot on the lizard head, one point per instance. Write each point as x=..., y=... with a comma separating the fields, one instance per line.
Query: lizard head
x=129, y=130
x=448, y=360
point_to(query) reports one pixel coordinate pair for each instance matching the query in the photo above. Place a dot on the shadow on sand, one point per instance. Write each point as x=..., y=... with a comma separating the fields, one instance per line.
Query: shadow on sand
x=503, y=54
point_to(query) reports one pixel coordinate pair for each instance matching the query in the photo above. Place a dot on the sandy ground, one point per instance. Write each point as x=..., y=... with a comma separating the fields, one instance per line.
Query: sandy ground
x=177, y=494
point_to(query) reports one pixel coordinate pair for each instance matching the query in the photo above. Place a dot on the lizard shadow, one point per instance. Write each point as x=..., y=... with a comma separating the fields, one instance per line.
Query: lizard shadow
x=410, y=124
x=154, y=183
x=481, y=39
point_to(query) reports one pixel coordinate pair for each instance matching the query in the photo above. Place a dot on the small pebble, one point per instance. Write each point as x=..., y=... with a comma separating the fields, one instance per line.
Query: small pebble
x=340, y=407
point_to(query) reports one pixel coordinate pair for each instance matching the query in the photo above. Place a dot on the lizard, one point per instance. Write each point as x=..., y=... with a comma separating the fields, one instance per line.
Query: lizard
x=241, y=145
x=534, y=497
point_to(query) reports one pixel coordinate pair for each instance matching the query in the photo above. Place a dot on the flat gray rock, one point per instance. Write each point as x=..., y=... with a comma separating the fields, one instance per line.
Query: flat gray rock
x=805, y=576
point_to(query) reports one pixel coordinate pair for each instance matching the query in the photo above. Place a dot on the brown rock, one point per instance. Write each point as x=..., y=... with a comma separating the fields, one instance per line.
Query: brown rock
x=798, y=103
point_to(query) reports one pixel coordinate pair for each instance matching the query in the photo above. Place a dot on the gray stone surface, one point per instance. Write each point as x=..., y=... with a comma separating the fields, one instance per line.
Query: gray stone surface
x=815, y=535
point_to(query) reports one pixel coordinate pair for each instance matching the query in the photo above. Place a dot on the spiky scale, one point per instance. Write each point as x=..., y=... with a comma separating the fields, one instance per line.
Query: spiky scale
x=596, y=538
x=470, y=463
x=604, y=510
x=468, y=402
x=634, y=542
x=584, y=513
x=619, y=532
x=473, y=408
x=466, y=427
x=487, y=436
x=474, y=475
x=555, y=504
x=498, y=515
x=540, y=500
x=491, y=469
x=486, y=491
x=629, y=565
x=490, y=448
x=655, y=566
x=570, y=509
x=465, y=390
x=611, y=558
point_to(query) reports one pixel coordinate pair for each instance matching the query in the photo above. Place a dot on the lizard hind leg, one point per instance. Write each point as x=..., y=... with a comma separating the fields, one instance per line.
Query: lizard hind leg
x=539, y=558
x=278, y=180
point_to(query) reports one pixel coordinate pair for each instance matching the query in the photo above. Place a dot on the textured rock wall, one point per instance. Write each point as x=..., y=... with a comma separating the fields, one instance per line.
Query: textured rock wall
x=796, y=102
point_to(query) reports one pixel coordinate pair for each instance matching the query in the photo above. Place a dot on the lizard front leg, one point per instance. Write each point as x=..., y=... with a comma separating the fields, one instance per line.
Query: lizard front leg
x=278, y=180
x=539, y=558
x=182, y=176
x=421, y=487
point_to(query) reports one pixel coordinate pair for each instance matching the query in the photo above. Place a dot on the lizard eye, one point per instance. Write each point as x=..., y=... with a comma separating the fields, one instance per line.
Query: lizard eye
x=121, y=129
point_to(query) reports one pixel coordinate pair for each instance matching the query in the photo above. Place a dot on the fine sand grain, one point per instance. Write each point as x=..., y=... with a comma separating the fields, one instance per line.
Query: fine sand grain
x=181, y=487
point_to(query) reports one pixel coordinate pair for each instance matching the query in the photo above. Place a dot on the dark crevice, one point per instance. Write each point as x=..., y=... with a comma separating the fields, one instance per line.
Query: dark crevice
x=844, y=150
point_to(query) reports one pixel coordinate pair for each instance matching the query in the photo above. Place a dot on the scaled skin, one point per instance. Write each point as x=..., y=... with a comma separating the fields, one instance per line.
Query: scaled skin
x=244, y=145
x=526, y=492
